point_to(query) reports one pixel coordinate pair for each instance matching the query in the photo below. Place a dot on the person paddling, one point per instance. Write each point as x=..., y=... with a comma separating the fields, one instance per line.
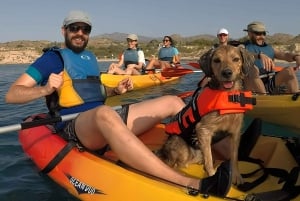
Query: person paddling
x=132, y=58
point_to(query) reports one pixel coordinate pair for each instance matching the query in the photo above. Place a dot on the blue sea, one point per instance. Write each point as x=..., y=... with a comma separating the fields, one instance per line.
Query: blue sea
x=19, y=178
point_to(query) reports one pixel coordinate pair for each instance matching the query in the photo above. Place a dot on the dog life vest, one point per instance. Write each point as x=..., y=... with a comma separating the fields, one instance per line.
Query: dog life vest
x=208, y=101
x=81, y=79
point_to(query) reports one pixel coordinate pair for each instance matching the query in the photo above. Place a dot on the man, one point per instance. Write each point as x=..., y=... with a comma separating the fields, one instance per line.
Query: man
x=223, y=36
x=285, y=80
x=62, y=72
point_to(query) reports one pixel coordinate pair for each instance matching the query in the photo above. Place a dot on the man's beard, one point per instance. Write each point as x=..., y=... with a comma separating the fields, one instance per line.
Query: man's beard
x=76, y=49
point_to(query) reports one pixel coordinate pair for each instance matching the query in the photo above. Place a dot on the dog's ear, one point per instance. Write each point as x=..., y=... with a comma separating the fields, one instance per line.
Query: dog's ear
x=205, y=62
x=248, y=60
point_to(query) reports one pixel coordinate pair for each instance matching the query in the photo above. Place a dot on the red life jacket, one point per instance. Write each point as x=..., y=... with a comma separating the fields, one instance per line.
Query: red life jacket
x=208, y=101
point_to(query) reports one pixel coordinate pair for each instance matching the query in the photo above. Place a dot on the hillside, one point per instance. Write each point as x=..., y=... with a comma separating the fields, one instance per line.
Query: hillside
x=109, y=46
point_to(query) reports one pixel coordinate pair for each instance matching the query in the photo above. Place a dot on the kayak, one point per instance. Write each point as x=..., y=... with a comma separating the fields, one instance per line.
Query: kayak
x=282, y=110
x=139, y=81
x=89, y=176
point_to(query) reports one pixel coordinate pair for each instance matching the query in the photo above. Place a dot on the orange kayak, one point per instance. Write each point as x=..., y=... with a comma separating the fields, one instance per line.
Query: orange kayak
x=88, y=176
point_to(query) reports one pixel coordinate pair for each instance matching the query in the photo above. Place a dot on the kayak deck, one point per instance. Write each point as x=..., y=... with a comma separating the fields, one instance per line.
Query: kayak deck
x=139, y=81
x=277, y=109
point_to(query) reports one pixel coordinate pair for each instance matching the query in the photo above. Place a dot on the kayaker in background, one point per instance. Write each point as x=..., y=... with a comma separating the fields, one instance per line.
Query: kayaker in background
x=168, y=55
x=59, y=71
x=223, y=36
x=285, y=80
x=133, y=59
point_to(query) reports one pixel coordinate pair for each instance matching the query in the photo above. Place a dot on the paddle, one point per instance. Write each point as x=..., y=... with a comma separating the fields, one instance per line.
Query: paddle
x=24, y=125
x=177, y=72
x=276, y=69
x=194, y=65
x=185, y=94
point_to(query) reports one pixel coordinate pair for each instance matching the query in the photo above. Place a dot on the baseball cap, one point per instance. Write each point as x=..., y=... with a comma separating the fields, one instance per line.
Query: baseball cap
x=256, y=26
x=222, y=31
x=77, y=16
x=132, y=37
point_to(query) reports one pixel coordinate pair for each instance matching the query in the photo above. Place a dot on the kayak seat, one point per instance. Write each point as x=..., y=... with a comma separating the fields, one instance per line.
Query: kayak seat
x=288, y=192
x=249, y=139
x=247, y=143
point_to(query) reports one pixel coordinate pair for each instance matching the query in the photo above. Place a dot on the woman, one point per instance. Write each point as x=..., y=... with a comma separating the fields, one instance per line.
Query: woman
x=133, y=59
x=168, y=55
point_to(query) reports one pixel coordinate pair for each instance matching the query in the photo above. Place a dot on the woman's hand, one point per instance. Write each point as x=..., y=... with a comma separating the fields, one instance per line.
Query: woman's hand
x=124, y=86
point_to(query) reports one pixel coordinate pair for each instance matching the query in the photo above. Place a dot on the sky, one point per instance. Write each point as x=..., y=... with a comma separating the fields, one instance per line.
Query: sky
x=42, y=19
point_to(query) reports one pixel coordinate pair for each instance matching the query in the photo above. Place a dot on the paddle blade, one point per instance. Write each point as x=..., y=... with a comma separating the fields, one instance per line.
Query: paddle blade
x=194, y=65
x=185, y=94
x=175, y=72
x=277, y=68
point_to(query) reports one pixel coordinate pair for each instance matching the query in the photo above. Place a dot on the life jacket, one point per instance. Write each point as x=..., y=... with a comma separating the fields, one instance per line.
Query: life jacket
x=207, y=101
x=81, y=79
x=131, y=56
x=166, y=53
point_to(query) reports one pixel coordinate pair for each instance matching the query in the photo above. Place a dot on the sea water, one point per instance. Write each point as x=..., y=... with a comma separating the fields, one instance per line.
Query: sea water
x=19, y=178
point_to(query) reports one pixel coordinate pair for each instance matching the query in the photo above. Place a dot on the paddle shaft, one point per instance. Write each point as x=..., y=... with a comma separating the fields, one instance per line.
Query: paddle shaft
x=24, y=125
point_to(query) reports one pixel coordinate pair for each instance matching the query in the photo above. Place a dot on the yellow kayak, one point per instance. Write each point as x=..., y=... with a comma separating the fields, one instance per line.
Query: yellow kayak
x=92, y=177
x=139, y=81
x=282, y=110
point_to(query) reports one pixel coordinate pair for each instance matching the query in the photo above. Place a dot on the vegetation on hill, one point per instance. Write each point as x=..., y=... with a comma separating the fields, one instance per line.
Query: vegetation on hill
x=109, y=46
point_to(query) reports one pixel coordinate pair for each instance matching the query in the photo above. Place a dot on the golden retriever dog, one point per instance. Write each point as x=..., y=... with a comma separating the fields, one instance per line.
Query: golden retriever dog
x=226, y=66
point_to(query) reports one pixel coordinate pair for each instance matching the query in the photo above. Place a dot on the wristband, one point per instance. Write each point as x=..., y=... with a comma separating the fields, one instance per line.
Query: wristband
x=294, y=57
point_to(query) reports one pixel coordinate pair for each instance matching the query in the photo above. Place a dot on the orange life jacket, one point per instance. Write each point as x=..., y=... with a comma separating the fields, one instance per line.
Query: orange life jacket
x=208, y=101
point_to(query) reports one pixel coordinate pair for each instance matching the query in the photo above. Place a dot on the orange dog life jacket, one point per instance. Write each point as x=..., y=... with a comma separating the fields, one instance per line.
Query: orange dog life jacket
x=208, y=101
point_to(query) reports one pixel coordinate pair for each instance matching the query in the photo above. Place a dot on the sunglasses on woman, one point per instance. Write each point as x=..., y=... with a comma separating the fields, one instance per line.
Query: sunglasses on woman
x=86, y=29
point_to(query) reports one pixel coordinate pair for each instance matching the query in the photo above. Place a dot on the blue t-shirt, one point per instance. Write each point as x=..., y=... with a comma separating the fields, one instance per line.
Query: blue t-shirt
x=49, y=62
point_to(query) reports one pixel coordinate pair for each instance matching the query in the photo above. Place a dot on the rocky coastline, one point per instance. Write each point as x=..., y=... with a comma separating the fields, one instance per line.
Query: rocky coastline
x=29, y=55
x=24, y=57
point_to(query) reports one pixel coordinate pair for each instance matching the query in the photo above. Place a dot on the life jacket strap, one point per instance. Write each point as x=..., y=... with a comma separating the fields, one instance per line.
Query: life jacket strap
x=242, y=99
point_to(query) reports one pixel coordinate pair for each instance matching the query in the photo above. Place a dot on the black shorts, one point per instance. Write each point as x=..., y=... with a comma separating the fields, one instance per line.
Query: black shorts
x=68, y=132
x=269, y=83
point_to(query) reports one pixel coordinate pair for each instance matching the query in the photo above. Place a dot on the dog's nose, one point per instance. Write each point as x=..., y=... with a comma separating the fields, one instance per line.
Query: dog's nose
x=227, y=73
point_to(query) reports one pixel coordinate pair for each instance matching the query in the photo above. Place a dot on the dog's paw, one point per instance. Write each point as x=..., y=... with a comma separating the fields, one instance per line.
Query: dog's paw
x=211, y=171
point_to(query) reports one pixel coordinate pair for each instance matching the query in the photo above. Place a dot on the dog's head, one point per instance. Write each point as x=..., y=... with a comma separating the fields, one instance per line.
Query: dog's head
x=227, y=66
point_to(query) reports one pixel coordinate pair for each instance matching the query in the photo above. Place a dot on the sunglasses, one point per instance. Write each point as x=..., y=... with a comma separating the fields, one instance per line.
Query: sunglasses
x=130, y=41
x=166, y=40
x=222, y=34
x=86, y=29
x=259, y=33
